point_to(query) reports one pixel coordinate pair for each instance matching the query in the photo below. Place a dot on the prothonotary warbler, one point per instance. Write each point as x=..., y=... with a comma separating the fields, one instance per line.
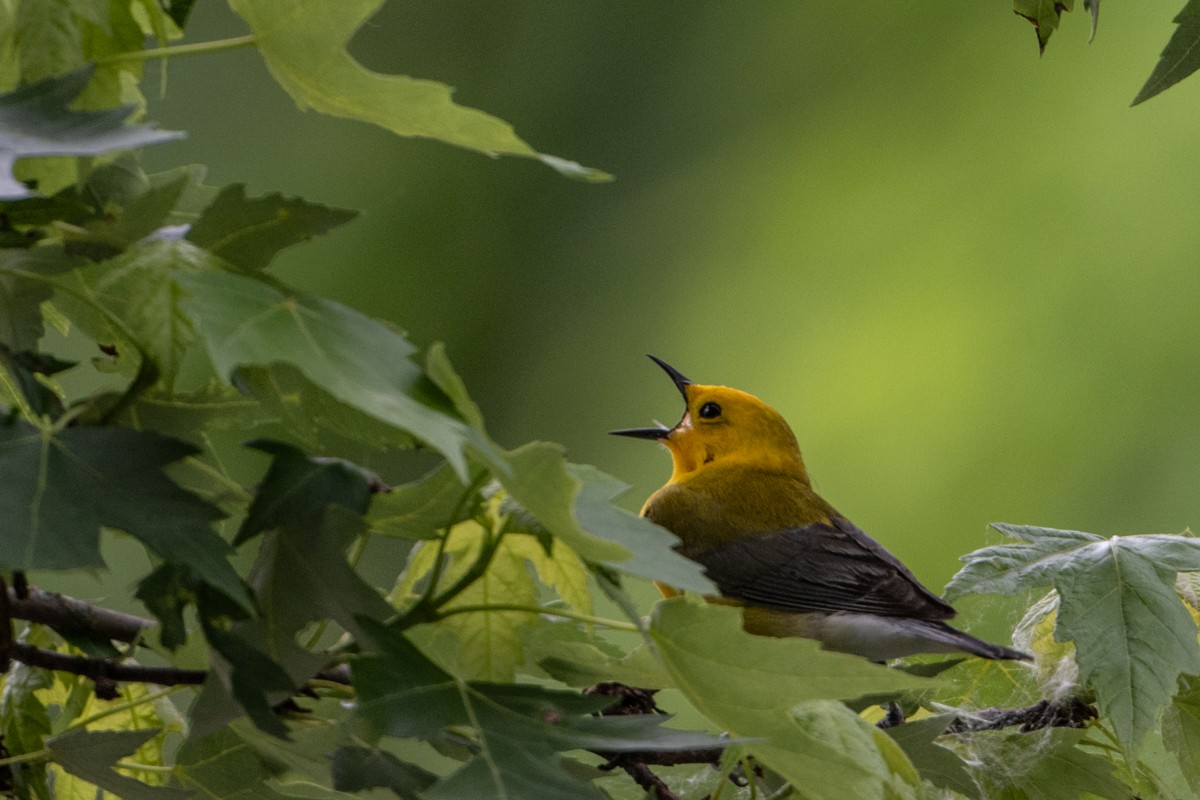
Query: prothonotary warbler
x=741, y=503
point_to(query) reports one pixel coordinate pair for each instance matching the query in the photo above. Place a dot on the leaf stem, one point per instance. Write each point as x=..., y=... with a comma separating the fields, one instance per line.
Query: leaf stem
x=117, y=709
x=136, y=767
x=552, y=611
x=193, y=49
x=426, y=604
x=25, y=758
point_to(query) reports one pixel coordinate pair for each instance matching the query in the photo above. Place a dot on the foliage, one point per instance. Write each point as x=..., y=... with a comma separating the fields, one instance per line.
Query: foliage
x=288, y=671
x=1180, y=58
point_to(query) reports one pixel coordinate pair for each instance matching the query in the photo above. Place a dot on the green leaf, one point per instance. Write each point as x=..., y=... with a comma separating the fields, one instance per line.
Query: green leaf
x=490, y=646
x=539, y=481
x=30, y=372
x=140, y=215
x=1133, y=635
x=652, y=546
x=439, y=370
x=188, y=415
x=297, y=489
x=361, y=362
x=558, y=569
x=249, y=233
x=139, y=295
x=1180, y=58
x=781, y=689
x=166, y=592
x=23, y=288
x=24, y=723
x=313, y=419
x=938, y=765
x=1181, y=729
x=48, y=38
x=133, y=711
x=91, y=754
x=302, y=576
x=1047, y=765
x=36, y=121
x=223, y=767
x=1044, y=14
x=584, y=664
x=519, y=728
x=247, y=679
x=420, y=509
x=304, y=45
x=61, y=487
x=737, y=679
x=357, y=768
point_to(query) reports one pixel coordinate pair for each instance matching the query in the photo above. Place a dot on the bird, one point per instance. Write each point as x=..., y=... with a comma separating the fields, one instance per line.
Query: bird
x=742, y=505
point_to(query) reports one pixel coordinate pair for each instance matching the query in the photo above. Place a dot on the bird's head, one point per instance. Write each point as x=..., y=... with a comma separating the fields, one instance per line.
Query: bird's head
x=726, y=426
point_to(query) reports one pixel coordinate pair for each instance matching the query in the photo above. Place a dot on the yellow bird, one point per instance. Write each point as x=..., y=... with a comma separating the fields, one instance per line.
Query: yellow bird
x=741, y=503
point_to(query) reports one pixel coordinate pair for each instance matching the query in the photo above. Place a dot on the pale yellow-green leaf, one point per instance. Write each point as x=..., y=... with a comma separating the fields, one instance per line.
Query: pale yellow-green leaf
x=490, y=646
x=562, y=570
x=136, y=713
x=304, y=45
x=462, y=548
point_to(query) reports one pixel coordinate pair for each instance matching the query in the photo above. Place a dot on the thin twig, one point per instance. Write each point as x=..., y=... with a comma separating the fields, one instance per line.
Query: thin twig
x=193, y=49
x=104, y=670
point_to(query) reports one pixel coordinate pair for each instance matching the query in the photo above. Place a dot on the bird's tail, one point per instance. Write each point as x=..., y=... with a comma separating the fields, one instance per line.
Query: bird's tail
x=958, y=640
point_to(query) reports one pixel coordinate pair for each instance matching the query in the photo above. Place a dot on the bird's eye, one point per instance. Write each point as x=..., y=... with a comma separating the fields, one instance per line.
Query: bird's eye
x=710, y=411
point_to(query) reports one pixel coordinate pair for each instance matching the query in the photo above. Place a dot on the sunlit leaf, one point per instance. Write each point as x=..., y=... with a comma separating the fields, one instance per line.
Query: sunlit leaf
x=1133, y=635
x=304, y=45
x=90, y=755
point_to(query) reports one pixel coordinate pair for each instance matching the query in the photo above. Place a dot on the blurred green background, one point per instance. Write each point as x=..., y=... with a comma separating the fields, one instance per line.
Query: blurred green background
x=967, y=275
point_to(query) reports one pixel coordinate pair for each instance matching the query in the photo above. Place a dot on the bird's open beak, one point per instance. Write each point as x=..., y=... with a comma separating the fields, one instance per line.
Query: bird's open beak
x=644, y=433
x=681, y=383
x=661, y=432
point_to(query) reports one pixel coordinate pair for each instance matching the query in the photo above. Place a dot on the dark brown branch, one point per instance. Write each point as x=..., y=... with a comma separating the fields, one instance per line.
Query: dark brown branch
x=70, y=616
x=644, y=777
x=101, y=670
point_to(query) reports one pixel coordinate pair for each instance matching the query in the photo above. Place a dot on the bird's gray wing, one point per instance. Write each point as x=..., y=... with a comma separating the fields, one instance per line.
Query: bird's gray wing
x=820, y=567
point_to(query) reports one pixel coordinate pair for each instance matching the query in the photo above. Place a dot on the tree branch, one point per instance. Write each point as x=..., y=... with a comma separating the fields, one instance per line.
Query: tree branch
x=70, y=616
x=102, y=670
